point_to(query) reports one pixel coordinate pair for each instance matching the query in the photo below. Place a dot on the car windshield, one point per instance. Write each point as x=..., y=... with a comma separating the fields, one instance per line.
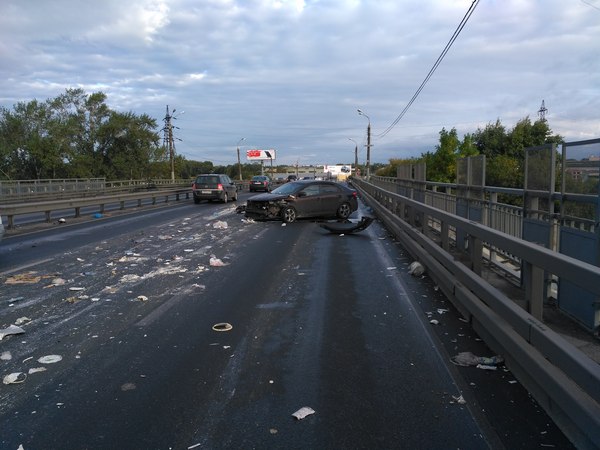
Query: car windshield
x=288, y=188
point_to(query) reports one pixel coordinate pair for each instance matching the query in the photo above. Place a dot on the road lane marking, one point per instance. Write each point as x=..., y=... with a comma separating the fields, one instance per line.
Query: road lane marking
x=25, y=266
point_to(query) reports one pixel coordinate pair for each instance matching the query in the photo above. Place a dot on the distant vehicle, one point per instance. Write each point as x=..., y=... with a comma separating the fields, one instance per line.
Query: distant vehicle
x=260, y=183
x=214, y=186
x=292, y=178
x=299, y=199
x=1, y=228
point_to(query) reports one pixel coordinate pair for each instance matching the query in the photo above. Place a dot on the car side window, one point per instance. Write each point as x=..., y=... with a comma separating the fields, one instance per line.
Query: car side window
x=329, y=189
x=311, y=190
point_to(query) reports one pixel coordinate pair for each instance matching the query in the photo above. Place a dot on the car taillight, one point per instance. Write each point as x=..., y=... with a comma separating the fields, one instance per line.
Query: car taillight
x=220, y=186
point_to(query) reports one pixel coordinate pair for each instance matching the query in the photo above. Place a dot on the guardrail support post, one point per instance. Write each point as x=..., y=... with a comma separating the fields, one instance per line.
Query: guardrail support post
x=122, y=205
x=77, y=211
x=47, y=214
x=445, y=231
x=534, y=289
x=476, y=253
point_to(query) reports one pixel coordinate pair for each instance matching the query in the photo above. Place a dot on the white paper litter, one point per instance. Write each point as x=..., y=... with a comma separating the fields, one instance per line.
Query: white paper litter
x=216, y=262
x=36, y=370
x=220, y=224
x=303, y=412
x=12, y=329
x=6, y=356
x=14, y=378
x=49, y=359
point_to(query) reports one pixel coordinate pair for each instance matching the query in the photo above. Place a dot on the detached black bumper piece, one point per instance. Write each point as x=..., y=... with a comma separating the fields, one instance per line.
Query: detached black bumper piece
x=347, y=227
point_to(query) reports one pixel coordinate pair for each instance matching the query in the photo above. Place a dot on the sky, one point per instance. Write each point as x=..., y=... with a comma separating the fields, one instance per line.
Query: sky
x=290, y=75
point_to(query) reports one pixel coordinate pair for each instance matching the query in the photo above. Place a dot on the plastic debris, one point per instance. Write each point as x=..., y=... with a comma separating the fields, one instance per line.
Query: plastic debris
x=49, y=359
x=22, y=320
x=14, y=378
x=220, y=225
x=486, y=367
x=57, y=282
x=142, y=298
x=77, y=288
x=469, y=359
x=224, y=326
x=416, y=269
x=303, y=412
x=434, y=322
x=62, y=220
x=12, y=329
x=97, y=216
x=129, y=278
x=460, y=400
x=36, y=370
x=6, y=356
x=216, y=262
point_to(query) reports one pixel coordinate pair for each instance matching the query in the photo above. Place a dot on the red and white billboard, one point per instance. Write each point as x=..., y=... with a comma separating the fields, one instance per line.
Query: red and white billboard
x=256, y=154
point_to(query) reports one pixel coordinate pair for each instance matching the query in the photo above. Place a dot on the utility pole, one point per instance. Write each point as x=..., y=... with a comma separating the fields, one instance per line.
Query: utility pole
x=361, y=113
x=369, y=150
x=169, y=140
x=542, y=112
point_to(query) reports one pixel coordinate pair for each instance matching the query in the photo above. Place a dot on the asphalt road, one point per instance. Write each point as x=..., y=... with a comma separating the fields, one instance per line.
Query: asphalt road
x=330, y=322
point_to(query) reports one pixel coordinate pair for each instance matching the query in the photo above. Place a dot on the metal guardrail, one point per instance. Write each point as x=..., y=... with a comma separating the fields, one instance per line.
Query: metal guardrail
x=46, y=207
x=563, y=380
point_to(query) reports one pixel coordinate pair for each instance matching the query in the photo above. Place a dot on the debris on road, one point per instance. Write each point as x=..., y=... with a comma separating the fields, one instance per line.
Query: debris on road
x=460, y=400
x=24, y=278
x=62, y=220
x=14, y=378
x=216, y=262
x=434, y=322
x=469, y=359
x=224, y=326
x=303, y=412
x=22, y=320
x=49, y=359
x=347, y=227
x=12, y=329
x=416, y=269
x=56, y=282
x=220, y=225
x=142, y=298
x=36, y=370
x=6, y=356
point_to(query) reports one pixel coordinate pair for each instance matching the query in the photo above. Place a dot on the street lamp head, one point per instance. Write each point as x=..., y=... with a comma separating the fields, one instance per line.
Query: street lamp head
x=361, y=113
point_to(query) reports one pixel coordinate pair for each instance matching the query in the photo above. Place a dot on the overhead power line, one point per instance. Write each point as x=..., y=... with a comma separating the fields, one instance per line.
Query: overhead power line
x=461, y=25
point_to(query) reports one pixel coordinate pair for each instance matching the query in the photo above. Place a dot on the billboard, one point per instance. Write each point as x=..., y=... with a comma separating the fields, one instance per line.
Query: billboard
x=338, y=169
x=256, y=154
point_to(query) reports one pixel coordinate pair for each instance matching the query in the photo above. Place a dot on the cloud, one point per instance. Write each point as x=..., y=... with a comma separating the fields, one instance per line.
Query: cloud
x=290, y=74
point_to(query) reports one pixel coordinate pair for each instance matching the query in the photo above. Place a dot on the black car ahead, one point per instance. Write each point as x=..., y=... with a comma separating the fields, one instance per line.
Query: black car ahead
x=299, y=199
x=260, y=183
x=214, y=186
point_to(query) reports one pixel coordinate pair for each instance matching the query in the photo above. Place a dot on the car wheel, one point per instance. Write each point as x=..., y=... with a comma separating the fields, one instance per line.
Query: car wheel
x=288, y=214
x=225, y=199
x=343, y=212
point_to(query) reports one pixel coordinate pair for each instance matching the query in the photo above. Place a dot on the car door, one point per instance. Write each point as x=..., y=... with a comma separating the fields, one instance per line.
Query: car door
x=331, y=197
x=307, y=202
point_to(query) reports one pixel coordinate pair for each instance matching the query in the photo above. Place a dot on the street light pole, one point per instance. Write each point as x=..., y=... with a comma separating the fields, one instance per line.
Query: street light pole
x=355, y=154
x=360, y=113
x=238, y=155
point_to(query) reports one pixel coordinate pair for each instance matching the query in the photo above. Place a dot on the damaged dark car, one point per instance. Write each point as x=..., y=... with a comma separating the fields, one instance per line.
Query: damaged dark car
x=303, y=199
